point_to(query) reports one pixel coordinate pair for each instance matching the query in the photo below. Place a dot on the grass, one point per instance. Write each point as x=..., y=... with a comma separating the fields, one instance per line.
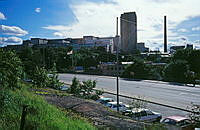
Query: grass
x=40, y=115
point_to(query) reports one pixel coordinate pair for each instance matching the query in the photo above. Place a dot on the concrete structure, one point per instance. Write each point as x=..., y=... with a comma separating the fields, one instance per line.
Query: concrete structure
x=141, y=47
x=128, y=28
x=38, y=41
x=116, y=40
x=76, y=43
x=58, y=41
x=110, y=68
x=106, y=42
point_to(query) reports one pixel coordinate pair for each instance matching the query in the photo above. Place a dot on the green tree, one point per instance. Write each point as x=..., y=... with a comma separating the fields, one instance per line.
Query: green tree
x=40, y=78
x=176, y=71
x=10, y=69
x=75, y=87
x=138, y=70
x=85, y=89
x=194, y=61
x=54, y=82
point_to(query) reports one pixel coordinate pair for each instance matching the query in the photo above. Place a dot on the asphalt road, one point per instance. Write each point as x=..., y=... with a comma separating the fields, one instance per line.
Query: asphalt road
x=160, y=92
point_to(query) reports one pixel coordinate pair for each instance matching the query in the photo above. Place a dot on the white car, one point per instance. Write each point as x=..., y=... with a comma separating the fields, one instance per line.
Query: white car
x=64, y=88
x=104, y=100
x=113, y=106
x=142, y=114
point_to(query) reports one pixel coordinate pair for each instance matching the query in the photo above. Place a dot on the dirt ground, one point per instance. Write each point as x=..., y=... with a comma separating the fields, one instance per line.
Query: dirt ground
x=100, y=115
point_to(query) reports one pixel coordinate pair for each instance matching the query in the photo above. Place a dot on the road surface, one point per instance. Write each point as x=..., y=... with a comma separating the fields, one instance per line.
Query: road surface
x=161, y=92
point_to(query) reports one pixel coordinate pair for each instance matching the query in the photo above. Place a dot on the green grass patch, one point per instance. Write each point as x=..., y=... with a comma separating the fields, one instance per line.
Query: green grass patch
x=41, y=115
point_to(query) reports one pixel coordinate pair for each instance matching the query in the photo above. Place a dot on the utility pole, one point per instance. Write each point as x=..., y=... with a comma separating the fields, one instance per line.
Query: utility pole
x=165, y=33
x=117, y=55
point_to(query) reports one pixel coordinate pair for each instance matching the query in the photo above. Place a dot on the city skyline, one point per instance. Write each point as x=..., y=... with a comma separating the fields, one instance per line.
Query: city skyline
x=66, y=18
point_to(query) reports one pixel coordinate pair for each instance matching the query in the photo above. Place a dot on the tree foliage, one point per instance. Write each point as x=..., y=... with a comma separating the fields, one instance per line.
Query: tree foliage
x=184, y=67
x=53, y=81
x=85, y=89
x=176, y=71
x=40, y=78
x=137, y=70
x=10, y=69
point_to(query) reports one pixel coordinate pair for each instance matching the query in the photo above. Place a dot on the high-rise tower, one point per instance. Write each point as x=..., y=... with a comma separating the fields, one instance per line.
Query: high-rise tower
x=128, y=28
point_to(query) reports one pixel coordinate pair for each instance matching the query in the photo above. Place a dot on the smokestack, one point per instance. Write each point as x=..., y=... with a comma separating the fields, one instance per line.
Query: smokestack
x=165, y=33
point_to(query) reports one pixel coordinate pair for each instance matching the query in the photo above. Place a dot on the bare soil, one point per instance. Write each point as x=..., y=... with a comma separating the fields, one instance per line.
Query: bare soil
x=101, y=116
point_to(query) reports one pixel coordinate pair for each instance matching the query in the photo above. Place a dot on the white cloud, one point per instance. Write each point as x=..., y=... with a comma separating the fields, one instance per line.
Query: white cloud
x=2, y=16
x=12, y=30
x=182, y=30
x=196, y=29
x=10, y=40
x=58, y=34
x=99, y=18
x=37, y=10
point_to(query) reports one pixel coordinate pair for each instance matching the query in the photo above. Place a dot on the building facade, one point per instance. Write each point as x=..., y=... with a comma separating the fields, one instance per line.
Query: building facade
x=141, y=47
x=128, y=28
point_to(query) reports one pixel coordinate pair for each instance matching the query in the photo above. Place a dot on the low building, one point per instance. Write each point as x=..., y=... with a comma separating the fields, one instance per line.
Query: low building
x=141, y=47
x=14, y=47
x=38, y=41
x=110, y=68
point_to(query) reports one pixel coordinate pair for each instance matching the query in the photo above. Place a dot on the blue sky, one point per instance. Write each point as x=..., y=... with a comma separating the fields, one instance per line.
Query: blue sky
x=23, y=19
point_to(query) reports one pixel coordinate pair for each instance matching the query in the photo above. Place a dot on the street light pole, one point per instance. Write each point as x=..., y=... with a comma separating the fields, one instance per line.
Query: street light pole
x=117, y=51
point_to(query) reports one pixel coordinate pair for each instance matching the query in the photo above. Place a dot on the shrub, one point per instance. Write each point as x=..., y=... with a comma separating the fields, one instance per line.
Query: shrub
x=53, y=81
x=40, y=78
x=75, y=87
x=10, y=69
x=85, y=89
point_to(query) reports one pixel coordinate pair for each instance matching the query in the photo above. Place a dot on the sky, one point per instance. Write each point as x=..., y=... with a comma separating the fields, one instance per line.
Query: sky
x=25, y=19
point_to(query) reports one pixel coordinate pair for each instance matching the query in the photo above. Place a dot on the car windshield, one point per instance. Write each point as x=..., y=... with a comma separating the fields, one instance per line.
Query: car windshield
x=184, y=122
x=170, y=121
x=149, y=113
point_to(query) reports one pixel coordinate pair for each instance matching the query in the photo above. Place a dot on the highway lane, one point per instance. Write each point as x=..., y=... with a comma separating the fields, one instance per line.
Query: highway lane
x=165, y=93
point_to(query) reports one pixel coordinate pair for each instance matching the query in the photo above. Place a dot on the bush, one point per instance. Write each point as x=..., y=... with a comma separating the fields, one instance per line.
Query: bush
x=53, y=81
x=40, y=78
x=10, y=69
x=85, y=89
x=75, y=87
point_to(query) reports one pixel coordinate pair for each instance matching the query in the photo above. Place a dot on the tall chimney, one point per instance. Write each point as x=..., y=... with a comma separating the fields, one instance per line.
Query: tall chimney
x=165, y=33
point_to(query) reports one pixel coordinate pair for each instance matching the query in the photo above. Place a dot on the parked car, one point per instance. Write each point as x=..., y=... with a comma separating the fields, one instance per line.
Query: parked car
x=142, y=114
x=28, y=80
x=113, y=105
x=104, y=100
x=180, y=121
x=64, y=88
